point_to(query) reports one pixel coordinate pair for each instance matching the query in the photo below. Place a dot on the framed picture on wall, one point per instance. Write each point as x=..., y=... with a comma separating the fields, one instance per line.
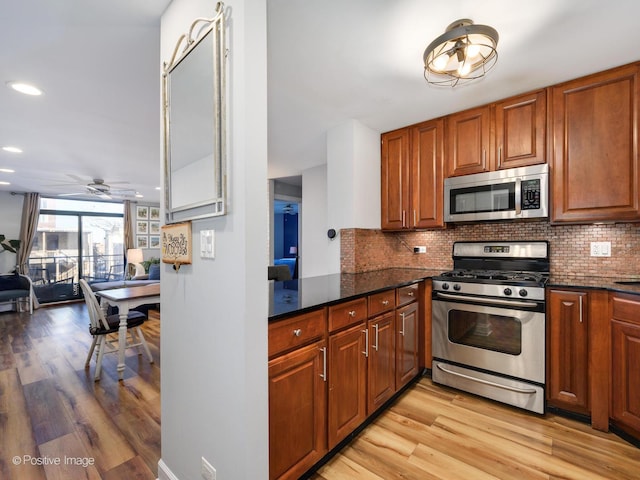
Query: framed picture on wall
x=154, y=241
x=154, y=213
x=142, y=212
x=154, y=228
x=142, y=241
x=142, y=228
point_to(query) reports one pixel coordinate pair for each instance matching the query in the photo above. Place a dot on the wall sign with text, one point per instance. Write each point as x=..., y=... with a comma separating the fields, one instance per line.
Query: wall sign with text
x=175, y=241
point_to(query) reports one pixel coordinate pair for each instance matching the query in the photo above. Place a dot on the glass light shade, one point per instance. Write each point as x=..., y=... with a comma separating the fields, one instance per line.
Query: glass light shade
x=464, y=52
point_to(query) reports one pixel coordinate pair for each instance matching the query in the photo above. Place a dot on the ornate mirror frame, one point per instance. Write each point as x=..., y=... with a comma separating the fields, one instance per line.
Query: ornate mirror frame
x=195, y=178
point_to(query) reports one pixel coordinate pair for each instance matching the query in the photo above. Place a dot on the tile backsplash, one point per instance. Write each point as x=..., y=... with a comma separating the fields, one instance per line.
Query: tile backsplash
x=363, y=250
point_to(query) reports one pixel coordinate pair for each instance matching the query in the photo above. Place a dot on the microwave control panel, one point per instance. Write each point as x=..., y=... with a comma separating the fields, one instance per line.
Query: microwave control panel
x=530, y=194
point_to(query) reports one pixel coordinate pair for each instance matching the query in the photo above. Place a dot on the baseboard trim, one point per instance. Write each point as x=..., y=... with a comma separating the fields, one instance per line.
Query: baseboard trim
x=164, y=472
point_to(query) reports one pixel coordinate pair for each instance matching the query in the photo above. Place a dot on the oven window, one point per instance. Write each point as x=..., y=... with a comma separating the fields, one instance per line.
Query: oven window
x=486, y=331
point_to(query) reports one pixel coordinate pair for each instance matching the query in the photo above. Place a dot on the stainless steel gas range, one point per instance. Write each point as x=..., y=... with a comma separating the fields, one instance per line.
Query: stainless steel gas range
x=488, y=321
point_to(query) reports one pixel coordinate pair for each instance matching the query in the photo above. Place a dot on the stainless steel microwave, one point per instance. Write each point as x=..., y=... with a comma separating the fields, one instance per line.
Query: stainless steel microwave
x=503, y=195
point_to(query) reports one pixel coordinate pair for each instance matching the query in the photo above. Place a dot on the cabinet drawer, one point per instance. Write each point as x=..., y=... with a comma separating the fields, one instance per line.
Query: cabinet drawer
x=348, y=313
x=297, y=331
x=381, y=302
x=407, y=294
x=626, y=308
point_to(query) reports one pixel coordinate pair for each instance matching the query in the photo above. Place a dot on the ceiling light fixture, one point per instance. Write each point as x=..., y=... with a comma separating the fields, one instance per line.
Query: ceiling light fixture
x=7, y=170
x=25, y=88
x=4, y=183
x=11, y=149
x=464, y=52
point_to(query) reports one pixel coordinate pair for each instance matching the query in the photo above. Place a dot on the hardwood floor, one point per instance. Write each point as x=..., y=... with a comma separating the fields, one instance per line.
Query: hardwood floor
x=433, y=432
x=51, y=410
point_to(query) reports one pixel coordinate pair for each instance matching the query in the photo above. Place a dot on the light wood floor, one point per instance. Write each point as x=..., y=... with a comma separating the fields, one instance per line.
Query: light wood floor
x=433, y=432
x=50, y=408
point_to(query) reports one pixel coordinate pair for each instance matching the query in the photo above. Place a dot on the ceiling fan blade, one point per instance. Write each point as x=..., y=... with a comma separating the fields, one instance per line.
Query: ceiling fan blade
x=70, y=194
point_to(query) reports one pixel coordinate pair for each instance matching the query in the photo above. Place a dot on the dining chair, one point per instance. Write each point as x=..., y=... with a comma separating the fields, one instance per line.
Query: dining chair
x=104, y=329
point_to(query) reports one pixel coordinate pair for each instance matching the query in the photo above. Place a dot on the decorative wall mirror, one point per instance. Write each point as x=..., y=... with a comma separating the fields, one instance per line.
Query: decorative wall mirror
x=194, y=122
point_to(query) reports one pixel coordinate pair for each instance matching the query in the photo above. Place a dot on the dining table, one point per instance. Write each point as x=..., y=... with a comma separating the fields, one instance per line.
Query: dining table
x=126, y=298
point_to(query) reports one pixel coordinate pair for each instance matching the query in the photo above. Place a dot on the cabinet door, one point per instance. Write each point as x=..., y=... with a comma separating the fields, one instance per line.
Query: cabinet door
x=520, y=131
x=347, y=382
x=297, y=411
x=382, y=361
x=407, y=347
x=625, y=363
x=395, y=179
x=427, y=175
x=468, y=142
x=568, y=358
x=595, y=171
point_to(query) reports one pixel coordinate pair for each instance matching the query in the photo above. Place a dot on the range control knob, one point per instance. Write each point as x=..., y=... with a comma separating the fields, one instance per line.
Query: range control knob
x=507, y=291
x=456, y=287
x=445, y=286
x=523, y=292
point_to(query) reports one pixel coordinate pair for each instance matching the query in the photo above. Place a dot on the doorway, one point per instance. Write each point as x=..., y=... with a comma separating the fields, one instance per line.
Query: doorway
x=285, y=223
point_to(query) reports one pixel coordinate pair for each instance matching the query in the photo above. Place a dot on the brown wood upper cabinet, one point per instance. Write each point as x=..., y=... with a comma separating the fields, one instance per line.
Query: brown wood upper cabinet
x=594, y=160
x=412, y=177
x=507, y=134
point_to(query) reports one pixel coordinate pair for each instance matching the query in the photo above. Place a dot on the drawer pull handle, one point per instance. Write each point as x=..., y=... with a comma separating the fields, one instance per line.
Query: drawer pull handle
x=409, y=294
x=352, y=313
x=297, y=332
x=385, y=302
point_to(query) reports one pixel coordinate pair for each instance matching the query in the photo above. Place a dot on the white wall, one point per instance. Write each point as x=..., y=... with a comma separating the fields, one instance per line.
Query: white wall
x=10, y=218
x=214, y=312
x=315, y=245
x=353, y=182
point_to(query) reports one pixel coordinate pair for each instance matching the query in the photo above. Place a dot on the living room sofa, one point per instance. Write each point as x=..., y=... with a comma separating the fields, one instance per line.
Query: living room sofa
x=152, y=277
x=15, y=288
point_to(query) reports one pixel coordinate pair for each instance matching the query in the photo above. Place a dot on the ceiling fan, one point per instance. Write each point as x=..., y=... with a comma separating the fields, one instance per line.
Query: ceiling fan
x=98, y=187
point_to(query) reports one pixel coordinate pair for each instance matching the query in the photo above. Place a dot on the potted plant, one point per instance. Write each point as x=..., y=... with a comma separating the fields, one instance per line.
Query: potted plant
x=9, y=245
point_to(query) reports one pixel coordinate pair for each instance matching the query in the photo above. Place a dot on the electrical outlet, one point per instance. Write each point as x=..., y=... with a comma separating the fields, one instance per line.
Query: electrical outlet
x=207, y=471
x=420, y=249
x=600, y=249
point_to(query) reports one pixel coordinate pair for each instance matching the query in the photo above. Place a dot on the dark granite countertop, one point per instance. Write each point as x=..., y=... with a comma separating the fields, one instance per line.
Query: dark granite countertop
x=297, y=296
x=601, y=283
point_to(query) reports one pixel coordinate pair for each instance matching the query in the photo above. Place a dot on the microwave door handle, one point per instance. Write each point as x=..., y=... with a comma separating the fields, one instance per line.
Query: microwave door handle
x=518, y=195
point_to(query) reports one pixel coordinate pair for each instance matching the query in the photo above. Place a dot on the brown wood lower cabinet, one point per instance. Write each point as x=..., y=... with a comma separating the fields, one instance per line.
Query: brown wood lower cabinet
x=297, y=411
x=347, y=376
x=625, y=363
x=329, y=369
x=382, y=361
x=408, y=344
x=568, y=350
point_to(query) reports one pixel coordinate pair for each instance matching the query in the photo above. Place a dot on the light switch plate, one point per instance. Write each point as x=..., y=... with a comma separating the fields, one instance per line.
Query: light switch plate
x=207, y=244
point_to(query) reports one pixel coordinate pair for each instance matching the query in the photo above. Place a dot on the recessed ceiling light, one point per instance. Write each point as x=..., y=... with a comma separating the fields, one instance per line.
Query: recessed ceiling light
x=25, y=88
x=157, y=188
x=139, y=195
x=7, y=170
x=4, y=183
x=12, y=149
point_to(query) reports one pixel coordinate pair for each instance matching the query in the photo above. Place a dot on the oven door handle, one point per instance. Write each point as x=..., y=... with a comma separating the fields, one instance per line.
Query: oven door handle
x=528, y=391
x=487, y=301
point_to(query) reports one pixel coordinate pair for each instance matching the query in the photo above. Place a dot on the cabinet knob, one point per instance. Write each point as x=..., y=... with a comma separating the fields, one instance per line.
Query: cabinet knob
x=385, y=302
x=352, y=313
x=297, y=332
x=409, y=294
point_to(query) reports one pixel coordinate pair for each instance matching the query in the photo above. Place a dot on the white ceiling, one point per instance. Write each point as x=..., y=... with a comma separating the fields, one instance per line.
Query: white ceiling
x=330, y=61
